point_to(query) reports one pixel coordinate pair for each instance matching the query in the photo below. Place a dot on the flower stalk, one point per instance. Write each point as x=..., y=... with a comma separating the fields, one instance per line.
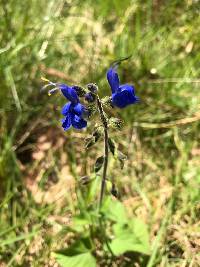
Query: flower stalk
x=106, y=150
x=76, y=114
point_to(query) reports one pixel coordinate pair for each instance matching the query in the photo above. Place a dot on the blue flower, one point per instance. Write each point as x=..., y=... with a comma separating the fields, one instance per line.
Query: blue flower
x=90, y=97
x=122, y=95
x=74, y=112
x=74, y=116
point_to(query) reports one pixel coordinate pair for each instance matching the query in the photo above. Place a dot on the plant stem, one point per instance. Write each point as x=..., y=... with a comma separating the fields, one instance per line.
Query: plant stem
x=105, y=164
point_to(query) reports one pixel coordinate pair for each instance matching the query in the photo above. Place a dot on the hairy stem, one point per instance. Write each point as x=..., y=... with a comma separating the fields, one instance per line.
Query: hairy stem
x=105, y=164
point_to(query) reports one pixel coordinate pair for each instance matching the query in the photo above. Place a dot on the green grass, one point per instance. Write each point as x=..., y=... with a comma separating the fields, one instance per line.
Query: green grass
x=75, y=42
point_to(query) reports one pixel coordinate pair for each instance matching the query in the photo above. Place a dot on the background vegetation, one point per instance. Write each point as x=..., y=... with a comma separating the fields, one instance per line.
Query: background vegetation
x=75, y=42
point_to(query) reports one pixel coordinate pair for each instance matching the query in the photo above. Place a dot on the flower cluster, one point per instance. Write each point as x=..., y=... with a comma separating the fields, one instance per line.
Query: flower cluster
x=76, y=114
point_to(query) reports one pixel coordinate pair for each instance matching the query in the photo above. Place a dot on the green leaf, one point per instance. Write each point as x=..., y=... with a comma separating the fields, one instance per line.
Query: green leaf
x=90, y=141
x=111, y=145
x=80, y=222
x=132, y=236
x=114, y=210
x=99, y=163
x=98, y=133
x=94, y=189
x=80, y=260
x=77, y=255
x=80, y=246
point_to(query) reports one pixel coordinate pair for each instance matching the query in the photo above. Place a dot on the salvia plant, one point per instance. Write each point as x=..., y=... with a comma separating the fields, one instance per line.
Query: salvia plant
x=103, y=233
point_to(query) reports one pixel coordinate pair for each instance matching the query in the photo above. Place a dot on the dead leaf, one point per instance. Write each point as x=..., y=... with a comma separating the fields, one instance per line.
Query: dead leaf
x=189, y=47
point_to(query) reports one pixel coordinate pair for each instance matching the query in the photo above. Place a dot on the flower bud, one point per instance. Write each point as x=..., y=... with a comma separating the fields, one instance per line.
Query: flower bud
x=90, y=97
x=92, y=87
x=79, y=90
x=116, y=123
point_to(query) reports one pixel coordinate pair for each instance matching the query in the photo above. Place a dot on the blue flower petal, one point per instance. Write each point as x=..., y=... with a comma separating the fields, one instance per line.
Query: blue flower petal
x=66, y=109
x=125, y=96
x=127, y=87
x=66, y=122
x=81, y=111
x=78, y=109
x=78, y=123
x=113, y=79
x=69, y=93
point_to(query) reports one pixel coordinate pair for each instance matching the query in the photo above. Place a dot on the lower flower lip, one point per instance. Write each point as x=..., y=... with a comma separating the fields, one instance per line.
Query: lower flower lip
x=124, y=98
x=75, y=115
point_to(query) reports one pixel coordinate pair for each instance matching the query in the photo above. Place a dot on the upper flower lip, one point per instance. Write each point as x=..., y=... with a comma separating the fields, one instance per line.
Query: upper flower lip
x=113, y=79
x=69, y=92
